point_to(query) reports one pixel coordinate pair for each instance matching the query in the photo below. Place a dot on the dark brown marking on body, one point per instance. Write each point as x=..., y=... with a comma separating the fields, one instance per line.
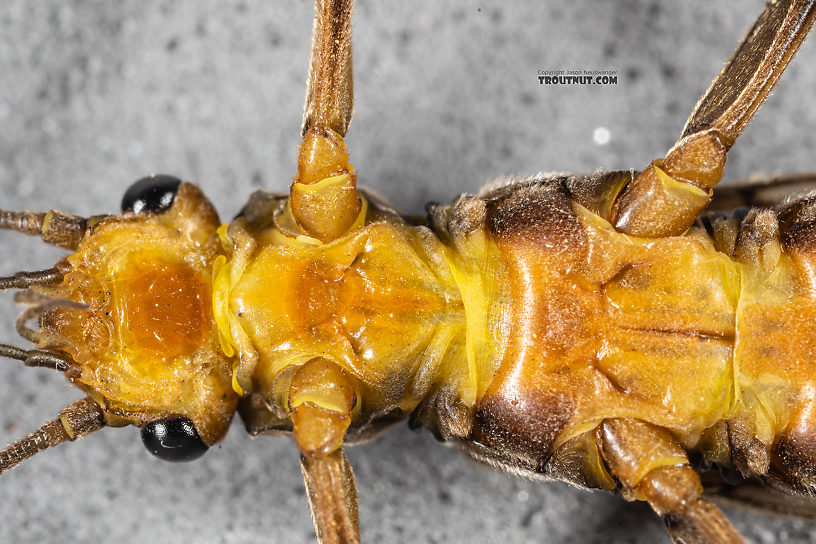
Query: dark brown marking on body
x=748, y=454
x=794, y=454
x=797, y=223
x=623, y=389
x=759, y=227
x=539, y=214
x=620, y=276
x=522, y=424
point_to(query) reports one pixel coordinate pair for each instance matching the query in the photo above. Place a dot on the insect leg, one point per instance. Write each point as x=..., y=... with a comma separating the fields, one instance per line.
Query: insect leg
x=652, y=466
x=321, y=400
x=78, y=420
x=323, y=195
x=665, y=199
x=330, y=92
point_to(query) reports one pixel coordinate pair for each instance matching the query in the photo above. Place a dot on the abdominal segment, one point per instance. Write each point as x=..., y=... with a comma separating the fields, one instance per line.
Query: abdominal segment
x=702, y=334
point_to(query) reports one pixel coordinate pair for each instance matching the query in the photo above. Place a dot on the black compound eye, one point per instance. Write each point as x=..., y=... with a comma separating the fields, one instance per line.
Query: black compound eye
x=155, y=193
x=173, y=439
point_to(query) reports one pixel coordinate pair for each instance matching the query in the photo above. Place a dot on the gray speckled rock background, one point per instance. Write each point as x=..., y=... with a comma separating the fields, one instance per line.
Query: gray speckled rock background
x=94, y=94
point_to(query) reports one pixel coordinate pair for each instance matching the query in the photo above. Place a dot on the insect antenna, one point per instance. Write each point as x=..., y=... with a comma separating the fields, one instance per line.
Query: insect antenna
x=39, y=358
x=77, y=420
x=54, y=227
x=25, y=279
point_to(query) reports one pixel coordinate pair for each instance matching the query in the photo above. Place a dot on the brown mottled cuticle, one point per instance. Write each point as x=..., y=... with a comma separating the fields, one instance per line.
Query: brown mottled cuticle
x=538, y=214
x=523, y=424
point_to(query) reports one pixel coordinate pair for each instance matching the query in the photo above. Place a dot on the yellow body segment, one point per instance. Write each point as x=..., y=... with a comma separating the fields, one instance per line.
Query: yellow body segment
x=518, y=323
x=143, y=334
x=383, y=303
x=670, y=331
x=595, y=329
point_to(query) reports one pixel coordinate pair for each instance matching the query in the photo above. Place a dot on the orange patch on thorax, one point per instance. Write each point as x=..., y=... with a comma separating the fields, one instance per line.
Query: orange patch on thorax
x=164, y=307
